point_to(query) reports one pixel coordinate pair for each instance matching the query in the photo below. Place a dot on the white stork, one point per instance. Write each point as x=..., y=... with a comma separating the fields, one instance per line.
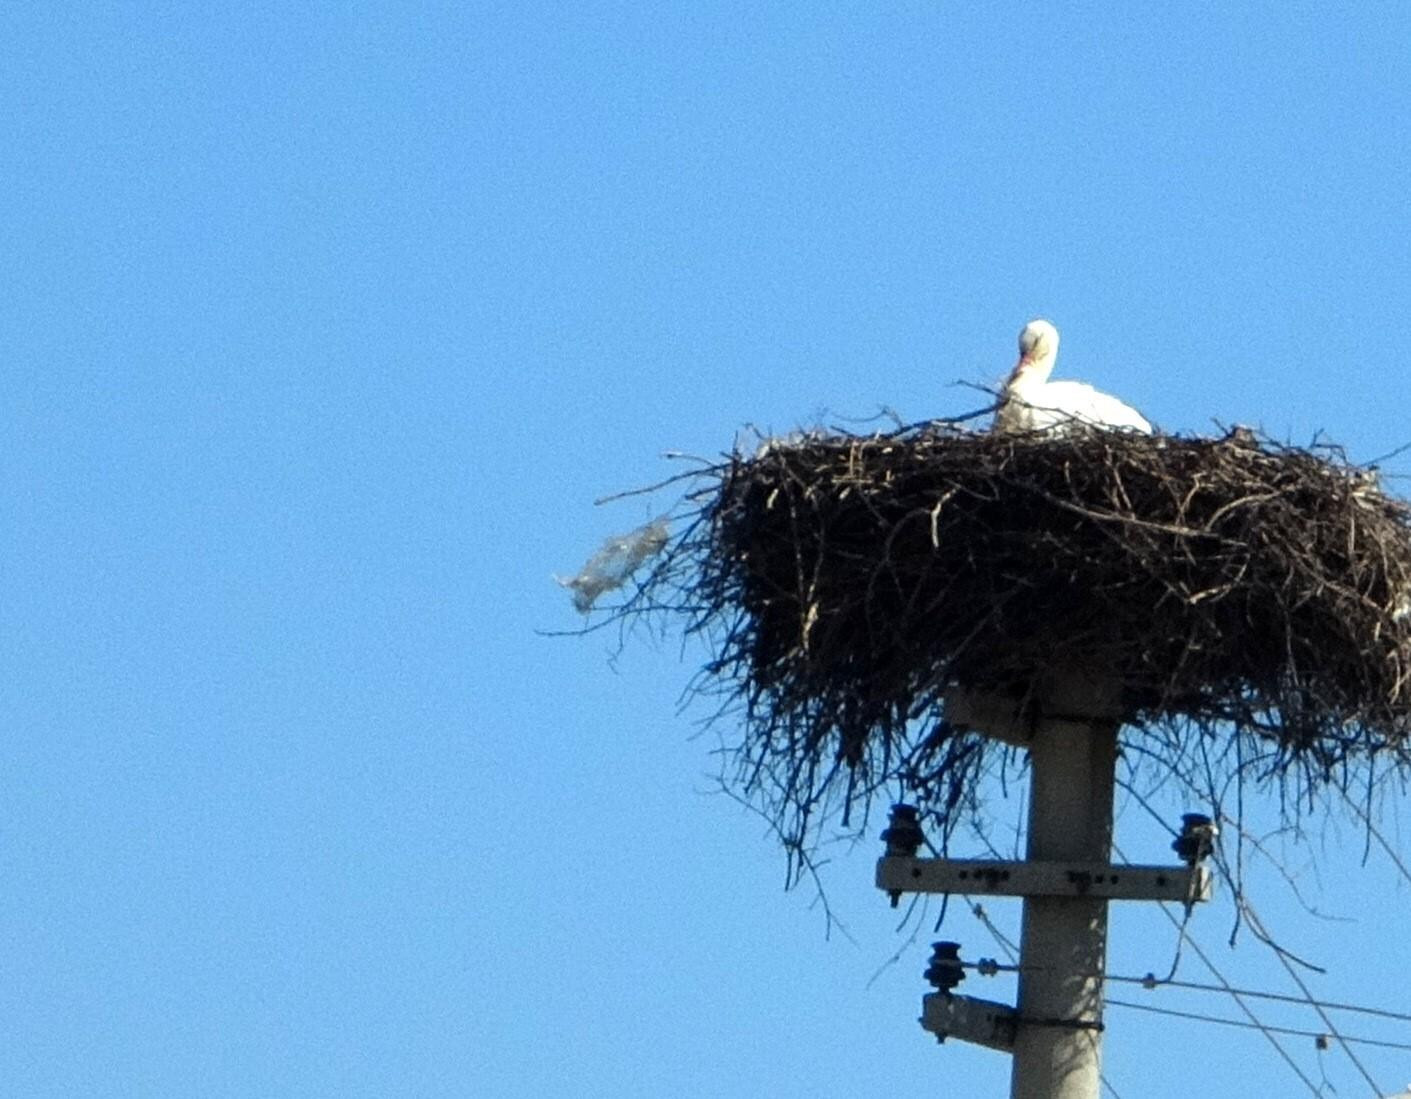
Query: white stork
x=1031, y=402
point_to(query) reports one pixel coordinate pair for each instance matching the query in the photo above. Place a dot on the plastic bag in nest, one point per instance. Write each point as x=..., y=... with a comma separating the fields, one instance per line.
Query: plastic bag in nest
x=614, y=563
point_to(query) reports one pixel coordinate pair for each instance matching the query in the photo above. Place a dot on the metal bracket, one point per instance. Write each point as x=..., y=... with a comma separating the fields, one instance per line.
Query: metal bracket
x=1183, y=884
x=983, y=1022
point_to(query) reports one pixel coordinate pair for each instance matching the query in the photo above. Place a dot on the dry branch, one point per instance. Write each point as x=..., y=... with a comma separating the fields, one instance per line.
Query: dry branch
x=1240, y=590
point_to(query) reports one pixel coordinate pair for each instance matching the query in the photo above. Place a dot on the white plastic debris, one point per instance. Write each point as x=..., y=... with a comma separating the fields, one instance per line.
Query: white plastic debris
x=614, y=563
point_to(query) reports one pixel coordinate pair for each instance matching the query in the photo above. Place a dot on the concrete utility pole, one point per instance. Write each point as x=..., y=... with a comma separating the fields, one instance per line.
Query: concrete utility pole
x=1055, y=1033
x=1063, y=948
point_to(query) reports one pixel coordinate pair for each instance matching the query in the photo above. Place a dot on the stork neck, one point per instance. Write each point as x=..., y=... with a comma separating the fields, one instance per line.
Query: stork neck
x=1031, y=372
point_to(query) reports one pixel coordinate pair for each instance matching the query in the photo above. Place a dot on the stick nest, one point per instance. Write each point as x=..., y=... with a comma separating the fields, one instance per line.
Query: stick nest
x=1251, y=594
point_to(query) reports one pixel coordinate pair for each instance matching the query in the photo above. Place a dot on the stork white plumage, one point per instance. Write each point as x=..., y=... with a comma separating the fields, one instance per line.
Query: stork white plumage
x=1030, y=402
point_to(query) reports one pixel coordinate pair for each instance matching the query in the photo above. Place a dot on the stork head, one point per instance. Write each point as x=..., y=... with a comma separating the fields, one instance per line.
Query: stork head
x=1038, y=346
x=1038, y=341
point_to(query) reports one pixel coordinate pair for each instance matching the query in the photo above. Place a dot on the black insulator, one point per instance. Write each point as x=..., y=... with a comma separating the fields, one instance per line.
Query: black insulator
x=945, y=970
x=903, y=835
x=1197, y=838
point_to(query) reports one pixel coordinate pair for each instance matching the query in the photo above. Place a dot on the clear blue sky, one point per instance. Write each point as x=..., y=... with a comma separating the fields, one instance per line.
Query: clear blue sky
x=324, y=325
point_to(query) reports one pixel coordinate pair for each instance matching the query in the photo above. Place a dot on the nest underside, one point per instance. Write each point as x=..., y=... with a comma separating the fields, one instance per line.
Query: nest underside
x=1252, y=592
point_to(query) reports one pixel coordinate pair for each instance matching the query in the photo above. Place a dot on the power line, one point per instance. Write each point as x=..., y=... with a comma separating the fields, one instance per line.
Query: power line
x=1108, y=1085
x=1282, y=997
x=1259, y=929
x=1269, y=1036
x=978, y=911
x=988, y=965
x=1283, y=955
x=1255, y=1023
x=1293, y=1031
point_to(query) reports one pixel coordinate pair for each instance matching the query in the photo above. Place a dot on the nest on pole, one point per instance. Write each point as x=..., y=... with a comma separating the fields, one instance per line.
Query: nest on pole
x=1248, y=593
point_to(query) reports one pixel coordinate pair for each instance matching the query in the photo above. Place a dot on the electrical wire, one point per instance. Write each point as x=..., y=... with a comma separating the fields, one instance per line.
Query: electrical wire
x=1293, y=1031
x=978, y=911
x=1263, y=935
x=1281, y=997
x=1108, y=1085
x=1246, y=911
x=1258, y=927
x=1258, y=1024
x=1269, y=1036
x=1255, y=1023
x=1237, y=994
x=987, y=965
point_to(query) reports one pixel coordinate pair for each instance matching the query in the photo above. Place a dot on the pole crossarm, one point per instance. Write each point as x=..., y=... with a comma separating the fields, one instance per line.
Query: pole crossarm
x=1068, y=725
x=1184, y=884
x=970, y=1019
